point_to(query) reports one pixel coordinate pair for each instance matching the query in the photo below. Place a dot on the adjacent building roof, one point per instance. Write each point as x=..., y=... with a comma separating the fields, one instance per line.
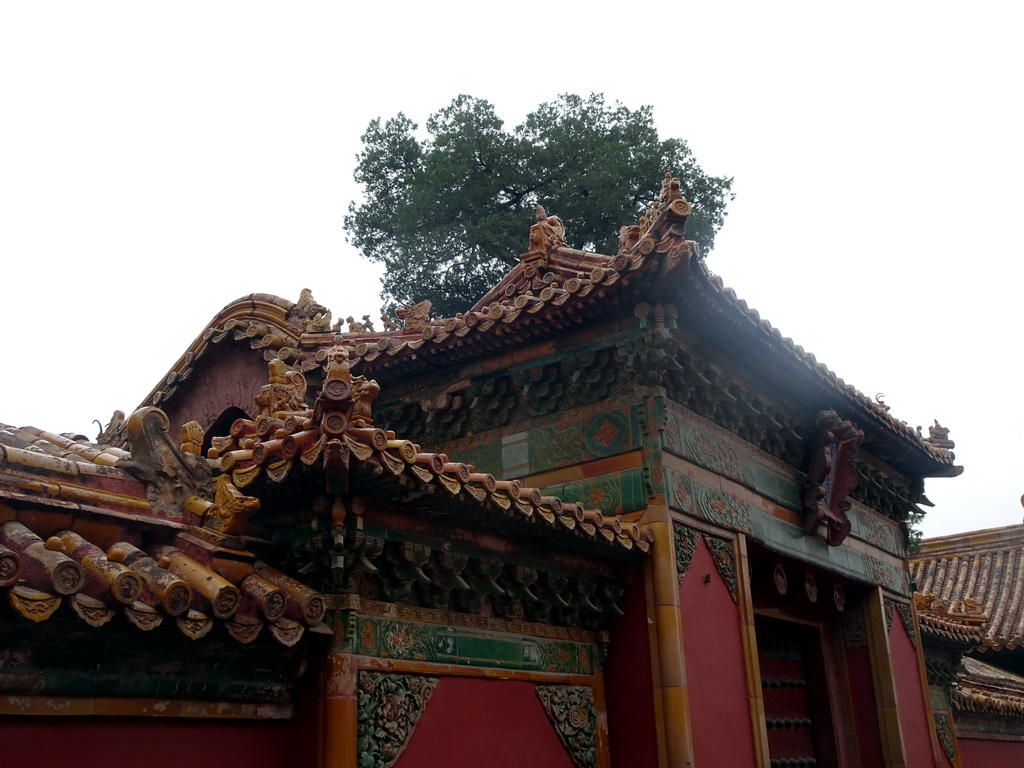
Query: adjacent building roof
x=953, y=625
x=982, y=571
x=989, y=690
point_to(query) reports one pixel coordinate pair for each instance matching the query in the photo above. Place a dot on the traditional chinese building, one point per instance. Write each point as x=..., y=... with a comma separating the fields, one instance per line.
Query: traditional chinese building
x=971, y=612
x=606, y=516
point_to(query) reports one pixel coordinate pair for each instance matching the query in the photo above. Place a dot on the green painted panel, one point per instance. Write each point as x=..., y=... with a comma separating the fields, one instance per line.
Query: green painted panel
x=389, y=638
x=616, y=493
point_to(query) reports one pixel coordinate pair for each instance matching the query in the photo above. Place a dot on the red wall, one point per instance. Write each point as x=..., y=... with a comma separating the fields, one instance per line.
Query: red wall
x=102, y=742
x=715, y=668
x=909, y=694
x=225, y=377
x=472, y=722
x=628, y=688
x=865, y=712
x=978, y=753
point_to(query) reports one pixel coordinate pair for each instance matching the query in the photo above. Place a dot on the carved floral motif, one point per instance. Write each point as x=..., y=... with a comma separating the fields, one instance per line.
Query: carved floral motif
x=570, y=708
x=854, y=630
x=686, y=543
x=944, y=730
x=725, y=562
x=389, y=708
x=723, y=509
x=721, y=550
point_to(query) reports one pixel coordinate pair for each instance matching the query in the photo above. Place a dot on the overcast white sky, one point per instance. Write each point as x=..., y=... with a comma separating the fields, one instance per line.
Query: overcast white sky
x=158, y=161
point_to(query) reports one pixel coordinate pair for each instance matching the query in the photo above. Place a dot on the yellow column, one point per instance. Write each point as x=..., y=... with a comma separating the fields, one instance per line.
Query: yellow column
x=893, y=750
x=341, y=711
x=755, y=694
x=675, y=703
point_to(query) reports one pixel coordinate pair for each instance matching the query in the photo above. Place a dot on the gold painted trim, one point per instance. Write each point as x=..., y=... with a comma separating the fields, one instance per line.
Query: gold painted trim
x=893, y=749
x=748, y=634
x=675, y=715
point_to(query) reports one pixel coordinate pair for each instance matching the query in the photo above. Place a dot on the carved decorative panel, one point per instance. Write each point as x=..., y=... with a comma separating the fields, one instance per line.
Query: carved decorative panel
x=389, y=708
x=944, y=730
x=721, y=550
x=570, y=708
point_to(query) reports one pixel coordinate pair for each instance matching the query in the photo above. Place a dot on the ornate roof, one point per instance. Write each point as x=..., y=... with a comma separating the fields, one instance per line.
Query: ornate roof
x=956, y=625
x=337, y=434
x=556, y=287
x=150, y=532
x=100, y=529
x=989, y=690
x=978, y=572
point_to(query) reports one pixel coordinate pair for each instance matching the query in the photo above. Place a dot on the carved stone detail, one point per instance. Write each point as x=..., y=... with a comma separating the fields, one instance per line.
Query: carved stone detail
x=721, y=550
x=570, y=708
x=171, y=475
x=33, y=604
x=389, y=708
x=686, y=539
x=547, y=233
x=415, y=317
x=113, y=433
x=944, y=730
x=231, y=510
x=725, y=562
x=907, y=616
x=854, y=631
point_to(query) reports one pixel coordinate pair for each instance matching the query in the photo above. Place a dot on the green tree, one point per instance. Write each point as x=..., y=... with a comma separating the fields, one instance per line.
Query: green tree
x=449, y=215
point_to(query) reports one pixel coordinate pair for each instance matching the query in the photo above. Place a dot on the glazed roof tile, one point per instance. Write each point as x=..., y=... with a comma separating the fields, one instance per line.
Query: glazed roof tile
x=338, y=433
x=983, y=570
x=989, y=690
x=950, y=624
x=91, y=525
x=550, y=290
x=78, y=529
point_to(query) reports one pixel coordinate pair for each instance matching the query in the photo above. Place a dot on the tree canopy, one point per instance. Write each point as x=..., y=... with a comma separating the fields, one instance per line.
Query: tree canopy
x=448, y=215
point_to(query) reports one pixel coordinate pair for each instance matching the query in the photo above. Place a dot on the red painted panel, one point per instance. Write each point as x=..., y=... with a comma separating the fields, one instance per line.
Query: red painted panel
x=865, y=713
x=981, y=753
x=226, y=377
x=914, y=717
x=102, y=742
x=628, y=687
x=471, y=722
x=715, y=668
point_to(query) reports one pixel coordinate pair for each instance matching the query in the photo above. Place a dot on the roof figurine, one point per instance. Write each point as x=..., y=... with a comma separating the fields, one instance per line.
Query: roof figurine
x=547, y=233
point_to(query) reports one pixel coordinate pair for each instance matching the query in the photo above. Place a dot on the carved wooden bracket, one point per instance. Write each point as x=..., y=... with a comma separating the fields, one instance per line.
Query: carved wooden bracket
x=831, y=476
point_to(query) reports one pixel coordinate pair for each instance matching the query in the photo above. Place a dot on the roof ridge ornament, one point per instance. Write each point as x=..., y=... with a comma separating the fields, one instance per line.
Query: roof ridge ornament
x=314, y=317
x=546, y=234
x=649, y=234
x=938, y=437
x=170, y=474
x=414, y=317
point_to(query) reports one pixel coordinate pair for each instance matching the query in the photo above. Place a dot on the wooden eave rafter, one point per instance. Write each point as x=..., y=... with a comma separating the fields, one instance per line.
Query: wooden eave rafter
x=337, y=435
